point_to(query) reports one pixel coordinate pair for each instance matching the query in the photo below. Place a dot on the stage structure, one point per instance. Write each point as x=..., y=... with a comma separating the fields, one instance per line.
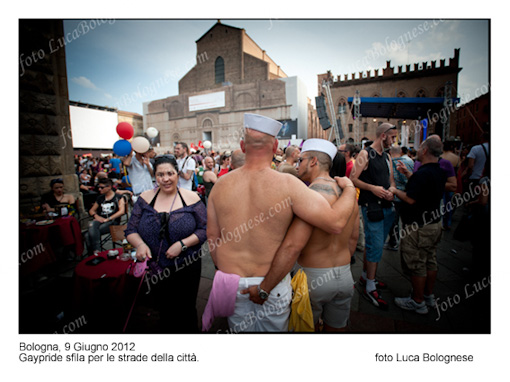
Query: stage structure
x=339, y=135
x=414, y=109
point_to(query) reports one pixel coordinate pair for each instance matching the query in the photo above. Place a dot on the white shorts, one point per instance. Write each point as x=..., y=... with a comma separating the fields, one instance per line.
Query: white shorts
x=272, y=316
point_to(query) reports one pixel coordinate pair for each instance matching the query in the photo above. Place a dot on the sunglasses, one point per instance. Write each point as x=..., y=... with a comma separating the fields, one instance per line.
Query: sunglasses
x=391, y=128
x=101, y=187
x=301, y=160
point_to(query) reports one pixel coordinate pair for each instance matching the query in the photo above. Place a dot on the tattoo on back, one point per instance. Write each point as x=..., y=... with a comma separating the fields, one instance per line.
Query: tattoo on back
x=324, y=188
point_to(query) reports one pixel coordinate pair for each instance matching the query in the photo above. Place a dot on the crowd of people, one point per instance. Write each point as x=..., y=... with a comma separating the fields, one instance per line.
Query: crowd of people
x=268, y=213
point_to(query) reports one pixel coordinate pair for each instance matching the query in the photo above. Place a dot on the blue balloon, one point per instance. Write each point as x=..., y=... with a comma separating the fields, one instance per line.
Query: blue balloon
x=122, y=147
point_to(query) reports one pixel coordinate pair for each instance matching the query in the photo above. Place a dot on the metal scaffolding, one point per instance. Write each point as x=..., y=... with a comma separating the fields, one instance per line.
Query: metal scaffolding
x=357, y=115
x=334, y=123
x=448, y=103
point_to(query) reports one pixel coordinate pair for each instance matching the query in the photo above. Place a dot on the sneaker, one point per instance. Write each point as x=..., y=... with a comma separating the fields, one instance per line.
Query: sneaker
x=430, y=301
x=378, y=284
x=407, y=303
x=375, y=298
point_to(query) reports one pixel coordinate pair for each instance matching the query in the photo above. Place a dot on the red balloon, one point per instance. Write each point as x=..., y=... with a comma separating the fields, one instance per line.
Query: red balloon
x=125, y=130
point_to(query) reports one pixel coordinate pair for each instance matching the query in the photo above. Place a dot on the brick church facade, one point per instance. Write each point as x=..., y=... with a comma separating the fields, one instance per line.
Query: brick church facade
x=232, y=76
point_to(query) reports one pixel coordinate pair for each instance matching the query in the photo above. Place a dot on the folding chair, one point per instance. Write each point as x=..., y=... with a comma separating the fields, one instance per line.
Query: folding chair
x=117, y=234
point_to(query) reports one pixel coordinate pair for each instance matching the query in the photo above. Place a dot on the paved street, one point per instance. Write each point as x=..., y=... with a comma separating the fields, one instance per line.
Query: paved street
x=462, y=307
x=464, y=300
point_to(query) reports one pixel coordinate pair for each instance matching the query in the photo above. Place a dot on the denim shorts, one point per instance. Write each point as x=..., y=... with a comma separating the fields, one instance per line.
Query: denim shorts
x=376, y=233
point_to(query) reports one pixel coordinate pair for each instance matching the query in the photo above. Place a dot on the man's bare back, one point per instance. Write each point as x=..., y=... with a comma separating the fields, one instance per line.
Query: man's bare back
x=325, y=250
x=255, y=214
x=250, y=209
x=249, y=212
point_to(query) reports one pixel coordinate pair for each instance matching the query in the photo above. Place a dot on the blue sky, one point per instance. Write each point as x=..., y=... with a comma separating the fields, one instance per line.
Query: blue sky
x=123, y=63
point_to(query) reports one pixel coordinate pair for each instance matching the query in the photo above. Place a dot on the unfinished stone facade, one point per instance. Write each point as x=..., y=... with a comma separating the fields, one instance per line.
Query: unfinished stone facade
x=233, y=67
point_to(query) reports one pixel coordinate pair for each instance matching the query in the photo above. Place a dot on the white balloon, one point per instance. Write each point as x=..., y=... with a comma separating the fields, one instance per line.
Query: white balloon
x=207, y=144
x=152, y=132
x=140, y=145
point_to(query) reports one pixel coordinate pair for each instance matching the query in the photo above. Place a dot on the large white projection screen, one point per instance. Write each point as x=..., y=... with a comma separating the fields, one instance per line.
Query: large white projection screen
x=93, y=129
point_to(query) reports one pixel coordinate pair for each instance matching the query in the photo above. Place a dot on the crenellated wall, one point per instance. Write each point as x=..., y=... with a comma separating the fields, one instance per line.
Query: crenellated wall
x=425, y=79
x=423, y=69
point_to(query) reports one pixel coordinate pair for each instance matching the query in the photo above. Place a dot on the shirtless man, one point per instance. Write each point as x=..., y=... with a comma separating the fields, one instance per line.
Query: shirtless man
x=249, y=212
x=324, y=257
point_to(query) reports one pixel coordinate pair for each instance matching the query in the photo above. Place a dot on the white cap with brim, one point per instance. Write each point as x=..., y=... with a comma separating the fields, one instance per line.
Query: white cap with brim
x=263, y=124
x=322, y=145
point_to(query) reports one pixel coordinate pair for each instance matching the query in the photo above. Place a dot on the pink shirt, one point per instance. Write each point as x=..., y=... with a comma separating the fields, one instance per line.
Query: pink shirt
x=222, y=299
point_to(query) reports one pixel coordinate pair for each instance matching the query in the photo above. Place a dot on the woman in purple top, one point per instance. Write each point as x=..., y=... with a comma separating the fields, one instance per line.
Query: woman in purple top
x=168, y=227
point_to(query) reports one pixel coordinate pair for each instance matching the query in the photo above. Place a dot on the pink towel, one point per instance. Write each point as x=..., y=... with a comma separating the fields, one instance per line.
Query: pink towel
x=222, y=299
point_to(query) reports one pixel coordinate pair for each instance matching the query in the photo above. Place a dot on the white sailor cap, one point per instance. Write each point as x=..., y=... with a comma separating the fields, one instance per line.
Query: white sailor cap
x=322, y=145
x=263, y=124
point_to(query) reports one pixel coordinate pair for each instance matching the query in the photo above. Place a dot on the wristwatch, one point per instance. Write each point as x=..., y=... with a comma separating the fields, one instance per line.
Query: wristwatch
x=262, y=293
x=184, y=248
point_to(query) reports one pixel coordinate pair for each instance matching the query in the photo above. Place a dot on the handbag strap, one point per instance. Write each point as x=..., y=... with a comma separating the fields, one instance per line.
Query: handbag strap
x=388, y=162
x=134, y=302
x=485, y=151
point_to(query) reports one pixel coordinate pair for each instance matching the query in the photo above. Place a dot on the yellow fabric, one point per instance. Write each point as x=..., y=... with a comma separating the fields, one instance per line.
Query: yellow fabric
x=357, y=189
x=301, y=316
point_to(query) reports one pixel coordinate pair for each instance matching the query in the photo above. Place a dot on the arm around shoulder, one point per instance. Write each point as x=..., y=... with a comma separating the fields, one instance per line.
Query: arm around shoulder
x=316, y=210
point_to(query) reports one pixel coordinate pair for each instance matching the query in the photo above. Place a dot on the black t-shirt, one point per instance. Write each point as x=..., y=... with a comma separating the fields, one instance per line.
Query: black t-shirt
x=426, y=187
x=107, y=207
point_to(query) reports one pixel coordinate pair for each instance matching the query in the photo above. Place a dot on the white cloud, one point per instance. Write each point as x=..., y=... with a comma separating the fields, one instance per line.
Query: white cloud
x=85, y=82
